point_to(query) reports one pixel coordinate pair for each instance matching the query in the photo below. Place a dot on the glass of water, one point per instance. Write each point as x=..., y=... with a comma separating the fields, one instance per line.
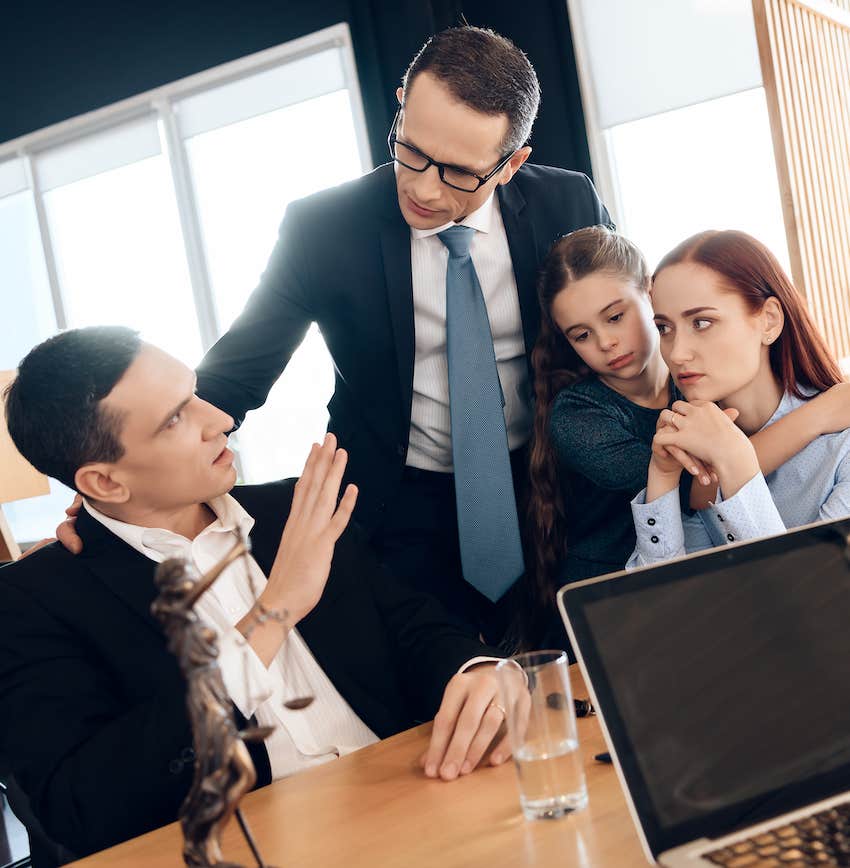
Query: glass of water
x=537, y=699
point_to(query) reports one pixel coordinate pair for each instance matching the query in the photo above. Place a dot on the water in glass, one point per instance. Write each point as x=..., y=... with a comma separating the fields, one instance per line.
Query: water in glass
x=551, y=779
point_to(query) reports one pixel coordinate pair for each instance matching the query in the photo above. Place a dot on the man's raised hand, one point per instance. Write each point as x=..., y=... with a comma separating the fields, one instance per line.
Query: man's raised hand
x=316, y=521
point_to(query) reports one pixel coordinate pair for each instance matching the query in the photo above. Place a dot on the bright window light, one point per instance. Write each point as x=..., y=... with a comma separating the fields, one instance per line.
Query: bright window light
x=25, y=300
x=226, y=151
x=28, y=319
x=120, y=257
x=244, y=176
x=708, y=166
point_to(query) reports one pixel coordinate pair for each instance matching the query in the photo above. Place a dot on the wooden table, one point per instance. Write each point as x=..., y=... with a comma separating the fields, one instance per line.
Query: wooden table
x=375, y=809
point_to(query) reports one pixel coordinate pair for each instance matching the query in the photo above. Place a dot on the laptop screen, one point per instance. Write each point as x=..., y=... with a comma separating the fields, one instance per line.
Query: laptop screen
x=724, y=681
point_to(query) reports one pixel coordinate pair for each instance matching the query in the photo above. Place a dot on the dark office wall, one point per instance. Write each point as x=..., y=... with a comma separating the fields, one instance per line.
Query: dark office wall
x=58, y=60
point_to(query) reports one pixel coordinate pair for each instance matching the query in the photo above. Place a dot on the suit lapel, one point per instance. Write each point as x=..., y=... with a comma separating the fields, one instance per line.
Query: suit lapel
x=522, y=243
x=395, y=254
x=127, y=573
x=130, y=575
x=395, y=251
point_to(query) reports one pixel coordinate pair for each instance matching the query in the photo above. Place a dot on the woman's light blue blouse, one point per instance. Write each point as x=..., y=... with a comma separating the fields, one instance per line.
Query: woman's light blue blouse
x=814, y=485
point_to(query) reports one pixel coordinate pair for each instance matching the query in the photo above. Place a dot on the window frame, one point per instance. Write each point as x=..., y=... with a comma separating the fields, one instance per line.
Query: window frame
x=161, y=102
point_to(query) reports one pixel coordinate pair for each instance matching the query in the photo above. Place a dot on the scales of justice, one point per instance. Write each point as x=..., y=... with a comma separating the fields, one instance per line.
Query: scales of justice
x=224, y=771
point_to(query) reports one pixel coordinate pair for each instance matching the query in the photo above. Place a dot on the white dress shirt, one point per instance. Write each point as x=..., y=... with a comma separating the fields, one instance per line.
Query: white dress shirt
x=430, y=422
x=328, y=728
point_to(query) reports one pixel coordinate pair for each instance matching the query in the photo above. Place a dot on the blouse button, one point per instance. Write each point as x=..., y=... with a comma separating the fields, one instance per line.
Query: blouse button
x=654, y=538
x=730, y=537
x=650, y=522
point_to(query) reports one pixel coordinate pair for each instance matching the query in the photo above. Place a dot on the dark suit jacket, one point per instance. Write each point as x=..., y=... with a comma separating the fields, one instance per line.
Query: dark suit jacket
x=94, y=723
x=343, y=260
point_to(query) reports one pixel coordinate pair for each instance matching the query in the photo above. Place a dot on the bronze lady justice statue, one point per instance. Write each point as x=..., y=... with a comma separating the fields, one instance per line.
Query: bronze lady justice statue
x=224, y=771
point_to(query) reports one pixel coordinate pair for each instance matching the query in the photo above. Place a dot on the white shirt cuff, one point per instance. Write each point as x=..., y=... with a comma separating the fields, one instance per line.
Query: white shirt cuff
x=476, y=660
x=245, y=677
x=658, y=529
x=749, y=514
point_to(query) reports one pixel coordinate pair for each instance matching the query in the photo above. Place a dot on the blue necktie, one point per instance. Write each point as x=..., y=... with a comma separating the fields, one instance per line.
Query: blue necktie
x=490, y=547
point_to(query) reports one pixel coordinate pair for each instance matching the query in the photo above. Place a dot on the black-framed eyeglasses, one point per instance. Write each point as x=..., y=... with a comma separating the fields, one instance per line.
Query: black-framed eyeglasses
x=453, y=176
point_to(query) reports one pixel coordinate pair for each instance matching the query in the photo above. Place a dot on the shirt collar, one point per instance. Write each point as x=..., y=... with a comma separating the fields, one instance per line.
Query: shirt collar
x=480, y=220
x=158, y=544
x=789, y=403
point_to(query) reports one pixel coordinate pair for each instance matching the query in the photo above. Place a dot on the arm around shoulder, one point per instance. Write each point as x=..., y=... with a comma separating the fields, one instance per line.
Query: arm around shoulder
x=837, y=504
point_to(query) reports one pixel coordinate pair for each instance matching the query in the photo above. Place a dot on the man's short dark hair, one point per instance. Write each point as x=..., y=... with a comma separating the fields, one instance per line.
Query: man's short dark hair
x=485, y=71
x=53, y=408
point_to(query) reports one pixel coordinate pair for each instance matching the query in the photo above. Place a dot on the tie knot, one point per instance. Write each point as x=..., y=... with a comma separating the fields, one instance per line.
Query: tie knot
x=457, y=239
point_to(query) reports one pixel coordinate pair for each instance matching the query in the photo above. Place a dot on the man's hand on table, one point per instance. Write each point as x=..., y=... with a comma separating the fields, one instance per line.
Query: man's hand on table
x=470, y=718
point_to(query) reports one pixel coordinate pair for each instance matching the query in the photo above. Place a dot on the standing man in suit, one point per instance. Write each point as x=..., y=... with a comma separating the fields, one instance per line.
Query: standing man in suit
x=94, y=722
x=421, y=276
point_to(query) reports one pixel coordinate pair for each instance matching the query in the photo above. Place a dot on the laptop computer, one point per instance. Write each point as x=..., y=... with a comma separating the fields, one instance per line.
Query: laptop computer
x=722, y=685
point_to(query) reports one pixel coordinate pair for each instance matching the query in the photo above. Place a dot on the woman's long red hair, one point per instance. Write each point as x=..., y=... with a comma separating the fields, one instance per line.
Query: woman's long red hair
x=799, y=357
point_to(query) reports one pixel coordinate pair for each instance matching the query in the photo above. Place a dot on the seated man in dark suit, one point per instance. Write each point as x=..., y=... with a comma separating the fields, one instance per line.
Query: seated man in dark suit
x=94, y=719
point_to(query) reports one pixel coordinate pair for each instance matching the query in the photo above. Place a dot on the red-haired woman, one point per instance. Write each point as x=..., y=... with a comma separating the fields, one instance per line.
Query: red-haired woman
x=744, y=352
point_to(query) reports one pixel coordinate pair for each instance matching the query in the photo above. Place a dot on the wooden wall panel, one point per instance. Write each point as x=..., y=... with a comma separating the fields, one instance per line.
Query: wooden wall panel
x=804, y=46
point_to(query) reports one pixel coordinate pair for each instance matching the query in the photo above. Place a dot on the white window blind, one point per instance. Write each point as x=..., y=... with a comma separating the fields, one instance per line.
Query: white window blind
x=13, y=178
x=130, y=142
x=646, y=58
x=284, y=85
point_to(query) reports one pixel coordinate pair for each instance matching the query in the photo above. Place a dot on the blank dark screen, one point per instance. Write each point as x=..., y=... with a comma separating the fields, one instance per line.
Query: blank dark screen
x=734, y=683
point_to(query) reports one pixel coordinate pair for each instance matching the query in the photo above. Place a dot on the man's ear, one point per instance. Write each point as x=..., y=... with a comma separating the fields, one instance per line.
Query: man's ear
x=773, y=318
x=399, y=95
x=514, y=163
x=97, y=481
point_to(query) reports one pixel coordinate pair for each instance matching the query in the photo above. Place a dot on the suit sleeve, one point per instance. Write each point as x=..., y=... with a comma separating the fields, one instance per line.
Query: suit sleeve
x=600, y=212
x=238, y=372
x=95, y=774
x=432, y=646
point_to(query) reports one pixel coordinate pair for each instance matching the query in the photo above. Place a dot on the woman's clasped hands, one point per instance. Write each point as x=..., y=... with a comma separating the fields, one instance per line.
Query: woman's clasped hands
x=701, y=433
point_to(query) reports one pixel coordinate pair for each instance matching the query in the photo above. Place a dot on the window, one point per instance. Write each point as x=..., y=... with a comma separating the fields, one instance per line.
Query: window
x=116, y=240
x=160, y=214
x=244, y=173
x=27, y=318
x=686, y=146
x=707, y=166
